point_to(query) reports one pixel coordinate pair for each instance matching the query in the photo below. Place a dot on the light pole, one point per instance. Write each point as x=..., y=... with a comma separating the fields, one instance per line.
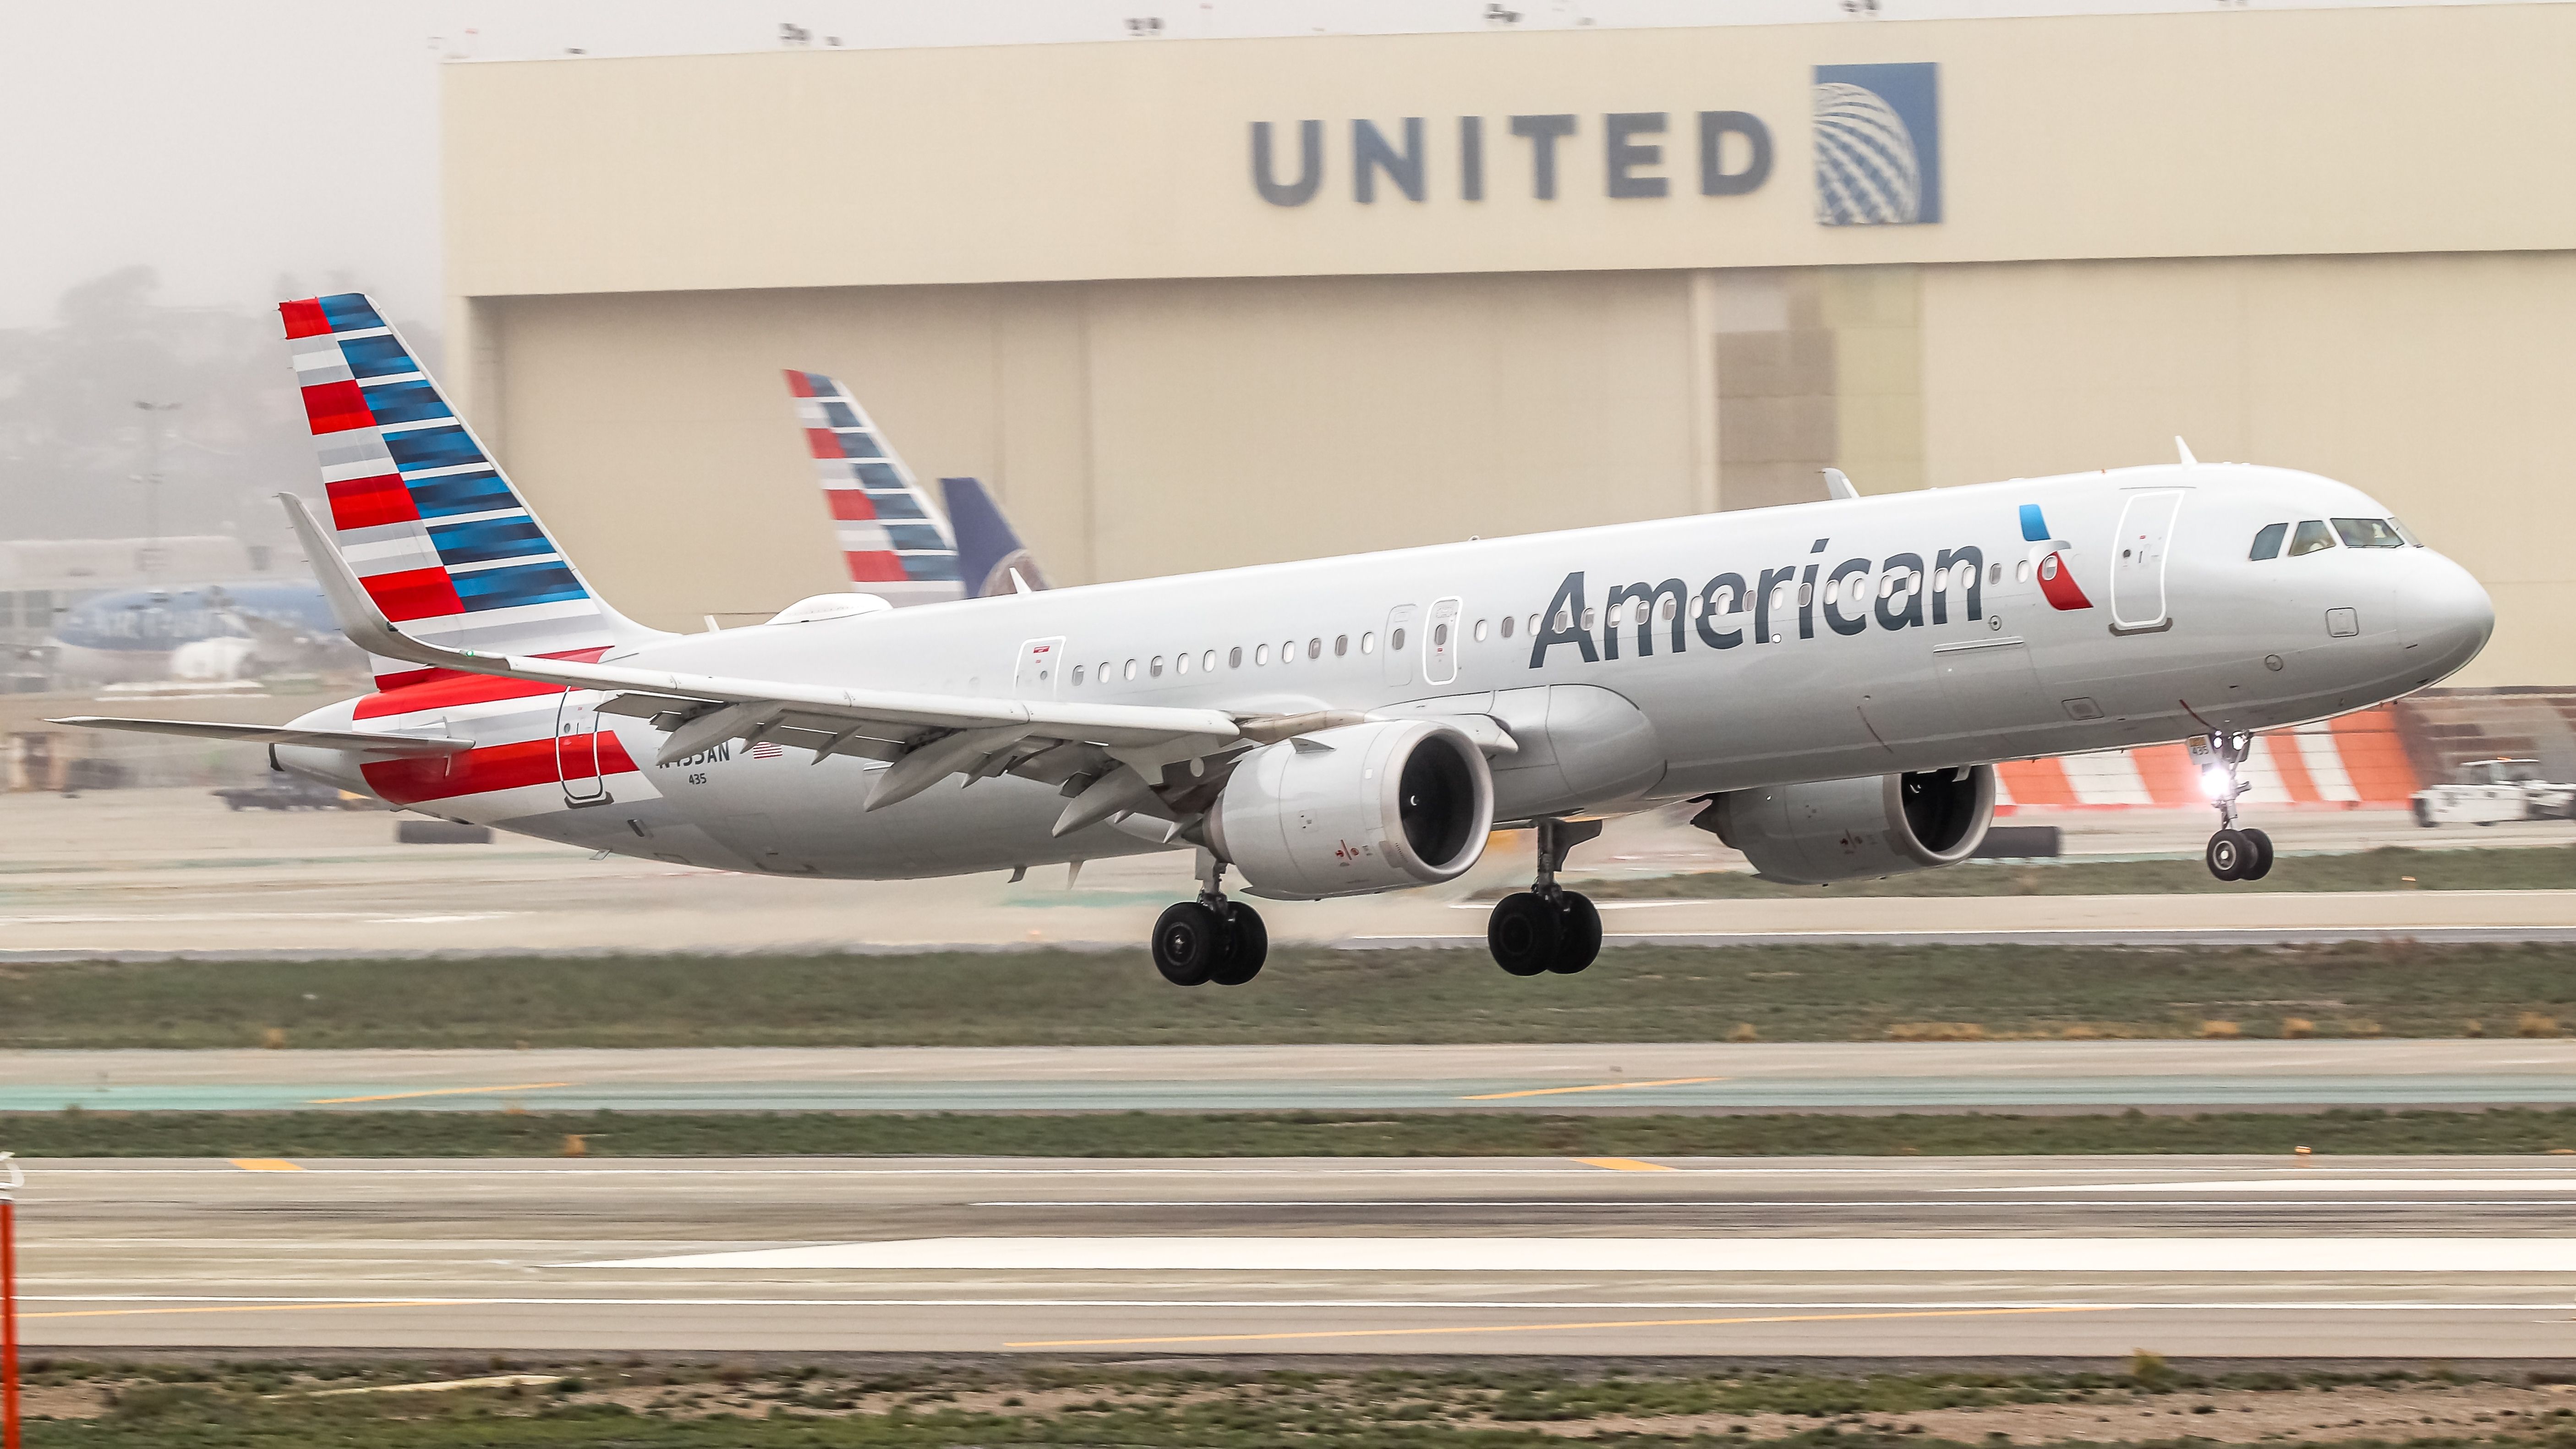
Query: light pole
x=10, y=1178
x=150, y=478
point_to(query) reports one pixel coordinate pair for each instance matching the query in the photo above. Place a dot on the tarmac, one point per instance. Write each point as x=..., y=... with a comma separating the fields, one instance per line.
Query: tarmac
x=2453, y=1258
x=2021, y=1076
x=143, y=873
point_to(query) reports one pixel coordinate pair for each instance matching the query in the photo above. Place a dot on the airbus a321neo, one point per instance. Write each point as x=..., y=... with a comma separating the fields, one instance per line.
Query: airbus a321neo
x=1832, y=679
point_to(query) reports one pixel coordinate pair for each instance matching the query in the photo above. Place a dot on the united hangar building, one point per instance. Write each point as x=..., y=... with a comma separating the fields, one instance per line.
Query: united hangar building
x=1189, y=304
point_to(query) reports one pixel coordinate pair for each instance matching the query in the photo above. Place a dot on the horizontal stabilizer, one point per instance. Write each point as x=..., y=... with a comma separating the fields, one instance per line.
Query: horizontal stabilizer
x=359, y=740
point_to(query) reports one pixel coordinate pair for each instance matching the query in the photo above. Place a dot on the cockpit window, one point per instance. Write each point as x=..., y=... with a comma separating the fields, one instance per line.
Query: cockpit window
x=2312, y=535
x=2405, y=533
x=2368, y=533
x=2267, y=544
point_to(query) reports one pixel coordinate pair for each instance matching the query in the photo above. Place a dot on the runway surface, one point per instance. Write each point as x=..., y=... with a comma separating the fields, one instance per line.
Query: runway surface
x=1618, y=1077
x=2414, y=1258
x=160, y=872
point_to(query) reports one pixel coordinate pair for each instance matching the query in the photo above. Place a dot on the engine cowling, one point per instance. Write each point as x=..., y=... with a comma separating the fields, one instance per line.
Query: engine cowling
x=1344, y=812
x=1833, y=830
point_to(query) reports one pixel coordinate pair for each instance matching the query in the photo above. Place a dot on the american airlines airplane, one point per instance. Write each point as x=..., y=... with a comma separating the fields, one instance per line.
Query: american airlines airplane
x=1833, y=680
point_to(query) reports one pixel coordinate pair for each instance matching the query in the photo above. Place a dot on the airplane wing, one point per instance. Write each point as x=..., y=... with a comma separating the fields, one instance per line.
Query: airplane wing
x=374, y=744
x=1117, y=752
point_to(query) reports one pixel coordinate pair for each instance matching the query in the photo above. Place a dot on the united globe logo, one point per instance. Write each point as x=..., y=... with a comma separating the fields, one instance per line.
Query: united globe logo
x=1878, y=144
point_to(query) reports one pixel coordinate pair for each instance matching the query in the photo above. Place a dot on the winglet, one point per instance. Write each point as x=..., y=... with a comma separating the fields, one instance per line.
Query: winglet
x=2184, y=449
x=1838, y=486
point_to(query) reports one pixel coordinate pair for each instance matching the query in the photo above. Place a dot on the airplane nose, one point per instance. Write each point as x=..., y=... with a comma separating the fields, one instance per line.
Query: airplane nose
x=2447, y=615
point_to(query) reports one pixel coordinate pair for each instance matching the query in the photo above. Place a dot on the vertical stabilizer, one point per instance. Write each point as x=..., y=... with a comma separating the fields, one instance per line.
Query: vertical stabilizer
x=442, y=542
x=988, y=548
x=892, y=541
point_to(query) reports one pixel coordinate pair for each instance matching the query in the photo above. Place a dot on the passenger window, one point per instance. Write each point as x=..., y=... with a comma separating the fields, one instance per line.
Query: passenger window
x=1395, y=641
x=1131, y=669
x=1507, y=626
x=1234, y=657
x=1440, y=636
x=2367, y=533
x=1368, y=643
x=1995, y=574
x=1260, y=655
x=1480, y=631
x=1182, y=664
x=2267, y=543
x=1077, y=675
x=1155, y=668
x=2312, y=536
x=1315, y=648
x=1341, y=645
x=1207, y=662
x=2021, y=572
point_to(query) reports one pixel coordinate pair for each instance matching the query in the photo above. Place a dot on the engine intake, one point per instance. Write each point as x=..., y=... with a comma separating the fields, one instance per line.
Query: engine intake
x=1345, y=812
x=1842, y=829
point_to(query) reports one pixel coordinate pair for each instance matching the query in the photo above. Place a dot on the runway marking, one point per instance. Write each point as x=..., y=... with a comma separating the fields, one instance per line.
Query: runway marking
x=1623, y=1164
x=1600, y=1087
x=2564, y=1181
x=1544, y=1327
x=265, y=1164
x=1996, y=1254
x=437, y=1092
x=1596, y=1204
x=254, y=1308
x=1526, y=1304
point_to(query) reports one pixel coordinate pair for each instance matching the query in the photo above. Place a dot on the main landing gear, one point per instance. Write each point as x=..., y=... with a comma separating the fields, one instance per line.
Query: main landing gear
x=1211, y=938
x=2234, y=854
x=1547, y=927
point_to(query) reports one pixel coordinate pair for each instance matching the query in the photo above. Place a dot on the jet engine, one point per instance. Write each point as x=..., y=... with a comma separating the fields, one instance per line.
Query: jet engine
x=1839, y=829
x=1344, y=812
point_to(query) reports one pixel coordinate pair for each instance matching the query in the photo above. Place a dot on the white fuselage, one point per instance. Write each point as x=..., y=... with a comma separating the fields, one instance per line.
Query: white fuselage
x=1799, y=682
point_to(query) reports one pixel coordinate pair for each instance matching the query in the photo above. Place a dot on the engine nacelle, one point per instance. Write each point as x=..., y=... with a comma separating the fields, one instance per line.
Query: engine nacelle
x=1344, y=812
x=1839, y=829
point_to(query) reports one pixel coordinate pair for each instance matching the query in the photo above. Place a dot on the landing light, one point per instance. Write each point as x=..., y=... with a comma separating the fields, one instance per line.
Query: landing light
x=2213, y=781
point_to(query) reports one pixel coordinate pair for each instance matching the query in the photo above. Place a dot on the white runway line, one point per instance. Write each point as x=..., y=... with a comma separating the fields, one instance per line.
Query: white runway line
x=1661, y=1255
x=1638, y=1305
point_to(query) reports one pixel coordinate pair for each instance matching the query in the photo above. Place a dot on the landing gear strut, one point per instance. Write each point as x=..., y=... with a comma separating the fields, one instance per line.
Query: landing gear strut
x=1547, y=927
x=2234, y=854
x=1211, y=938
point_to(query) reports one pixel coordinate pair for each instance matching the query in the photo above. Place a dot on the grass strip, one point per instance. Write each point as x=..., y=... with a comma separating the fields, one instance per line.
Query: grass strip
x=311, y=1135
x=1637, y=993
x=2390, y=868
x=1503, y=1406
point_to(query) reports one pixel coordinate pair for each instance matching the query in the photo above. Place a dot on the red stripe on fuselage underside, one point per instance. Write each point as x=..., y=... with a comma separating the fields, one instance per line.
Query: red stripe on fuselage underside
x=371, y=502
x=414, y=594
x=416, y=690
x=875, y=568
x=493, y=768
x=849, y=505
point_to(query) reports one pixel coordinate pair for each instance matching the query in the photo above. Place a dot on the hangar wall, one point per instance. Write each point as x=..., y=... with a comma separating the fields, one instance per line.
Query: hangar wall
x=2300, y=237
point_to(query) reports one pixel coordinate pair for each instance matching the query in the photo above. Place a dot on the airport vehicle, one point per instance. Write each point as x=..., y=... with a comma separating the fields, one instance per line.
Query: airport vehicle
x=2492, y=790
x=1832, y=679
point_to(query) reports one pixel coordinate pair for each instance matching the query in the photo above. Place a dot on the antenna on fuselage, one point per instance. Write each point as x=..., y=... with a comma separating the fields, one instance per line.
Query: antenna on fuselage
x=2184, y=449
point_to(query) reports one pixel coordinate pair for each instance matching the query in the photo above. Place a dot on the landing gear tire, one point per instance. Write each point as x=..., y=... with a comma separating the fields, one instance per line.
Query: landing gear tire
x=1581, y=938
x=2228, y=854
x=2261, y=865
x=1246, y=946
x=1188, y=944
x=1525, y=933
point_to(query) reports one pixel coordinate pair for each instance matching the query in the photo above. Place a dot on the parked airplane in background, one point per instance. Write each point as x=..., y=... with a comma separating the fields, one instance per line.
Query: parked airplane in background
x=898, y=548
x=1833, y=679
x=200, y=631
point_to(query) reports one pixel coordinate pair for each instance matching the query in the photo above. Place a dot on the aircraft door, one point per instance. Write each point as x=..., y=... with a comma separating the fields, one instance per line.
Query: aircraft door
x=1040, y=662
x=577, y=748
x=1440, y=643
x=1399, y=643
x=2138, y=563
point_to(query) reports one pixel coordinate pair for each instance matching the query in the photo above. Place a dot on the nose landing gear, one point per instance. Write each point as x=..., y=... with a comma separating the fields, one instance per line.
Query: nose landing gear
x=2233, y=854
x=1547, y=927
x=1210, y=939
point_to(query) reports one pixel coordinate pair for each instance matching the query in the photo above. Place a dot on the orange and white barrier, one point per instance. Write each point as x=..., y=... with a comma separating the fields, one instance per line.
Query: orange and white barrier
x=2354, y=762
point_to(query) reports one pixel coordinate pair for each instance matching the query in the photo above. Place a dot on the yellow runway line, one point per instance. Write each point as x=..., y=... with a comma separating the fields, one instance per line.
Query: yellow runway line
x=265, y=1164
x=253, y=1308
x=1554, y=1327
x=1624, y=1164
x=439, y=1092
